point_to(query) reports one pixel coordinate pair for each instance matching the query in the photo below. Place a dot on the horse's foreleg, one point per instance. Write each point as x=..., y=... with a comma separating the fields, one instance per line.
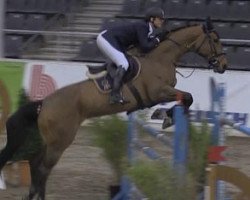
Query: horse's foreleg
x=170, y=94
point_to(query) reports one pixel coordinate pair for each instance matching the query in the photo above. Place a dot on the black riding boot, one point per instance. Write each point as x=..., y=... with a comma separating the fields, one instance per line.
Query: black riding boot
x=115, y=95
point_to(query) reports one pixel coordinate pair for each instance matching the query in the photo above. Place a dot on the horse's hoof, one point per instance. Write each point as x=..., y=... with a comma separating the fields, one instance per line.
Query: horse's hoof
x=159, y=113
x=167, y=122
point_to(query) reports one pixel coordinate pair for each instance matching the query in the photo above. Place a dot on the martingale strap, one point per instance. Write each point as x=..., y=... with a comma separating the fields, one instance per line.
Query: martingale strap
x=137, y=95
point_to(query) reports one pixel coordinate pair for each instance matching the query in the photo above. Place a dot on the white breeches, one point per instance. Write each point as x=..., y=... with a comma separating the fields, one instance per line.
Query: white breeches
x=112, y=53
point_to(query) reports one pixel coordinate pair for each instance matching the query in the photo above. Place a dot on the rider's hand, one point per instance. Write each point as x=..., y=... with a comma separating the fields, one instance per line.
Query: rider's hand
x=161, y=33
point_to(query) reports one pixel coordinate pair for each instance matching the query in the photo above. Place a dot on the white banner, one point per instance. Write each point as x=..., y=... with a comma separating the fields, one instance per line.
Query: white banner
x=237, y=94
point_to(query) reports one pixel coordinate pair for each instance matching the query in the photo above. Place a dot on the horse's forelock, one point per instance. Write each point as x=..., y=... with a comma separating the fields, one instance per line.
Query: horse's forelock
x=216, y=33
x=205, y=30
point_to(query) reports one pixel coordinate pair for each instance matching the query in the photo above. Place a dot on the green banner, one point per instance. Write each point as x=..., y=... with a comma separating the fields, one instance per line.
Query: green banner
x=11, y=73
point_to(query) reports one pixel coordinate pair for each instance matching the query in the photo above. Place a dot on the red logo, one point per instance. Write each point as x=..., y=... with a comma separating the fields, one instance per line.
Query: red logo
x=42, y=84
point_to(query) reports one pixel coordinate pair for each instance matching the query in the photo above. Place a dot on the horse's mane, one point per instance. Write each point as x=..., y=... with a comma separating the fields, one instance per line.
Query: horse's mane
x=183, y=27
x=187, y=26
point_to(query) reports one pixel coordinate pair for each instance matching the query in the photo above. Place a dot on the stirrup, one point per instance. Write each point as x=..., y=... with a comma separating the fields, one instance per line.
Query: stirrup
x=116, y=99
x=167, y=122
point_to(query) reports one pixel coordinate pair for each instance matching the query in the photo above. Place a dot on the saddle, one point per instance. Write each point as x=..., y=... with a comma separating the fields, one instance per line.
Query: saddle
x=103, y=75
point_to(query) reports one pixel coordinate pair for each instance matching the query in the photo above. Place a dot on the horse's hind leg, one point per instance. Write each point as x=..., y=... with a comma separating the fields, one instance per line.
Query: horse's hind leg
x=35, y=162
x=42, y=164
x=40, y=168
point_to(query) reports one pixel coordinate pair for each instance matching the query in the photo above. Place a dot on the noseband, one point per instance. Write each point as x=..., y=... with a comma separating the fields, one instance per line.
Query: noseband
x=213, y=60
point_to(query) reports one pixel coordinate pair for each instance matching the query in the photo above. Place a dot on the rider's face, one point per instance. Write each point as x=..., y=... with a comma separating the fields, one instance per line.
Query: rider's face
x=158, y=22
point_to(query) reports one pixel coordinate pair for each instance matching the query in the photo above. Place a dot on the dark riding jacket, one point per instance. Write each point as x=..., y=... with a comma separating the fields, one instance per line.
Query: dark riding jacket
x=136, y=34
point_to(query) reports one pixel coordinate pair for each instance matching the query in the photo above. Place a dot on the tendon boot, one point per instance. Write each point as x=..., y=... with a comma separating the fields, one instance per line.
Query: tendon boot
x=115, y=95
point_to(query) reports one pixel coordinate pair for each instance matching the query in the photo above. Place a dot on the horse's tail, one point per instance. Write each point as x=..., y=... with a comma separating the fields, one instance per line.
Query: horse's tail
x=16, y=127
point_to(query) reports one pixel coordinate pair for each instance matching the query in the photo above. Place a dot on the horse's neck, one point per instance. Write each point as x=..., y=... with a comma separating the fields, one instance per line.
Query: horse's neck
x=179, y=43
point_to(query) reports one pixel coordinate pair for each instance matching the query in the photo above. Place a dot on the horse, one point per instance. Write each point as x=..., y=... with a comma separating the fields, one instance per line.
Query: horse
x=60, y=114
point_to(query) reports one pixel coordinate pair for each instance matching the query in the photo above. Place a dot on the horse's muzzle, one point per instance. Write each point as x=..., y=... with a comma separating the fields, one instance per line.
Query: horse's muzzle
x=219, y=69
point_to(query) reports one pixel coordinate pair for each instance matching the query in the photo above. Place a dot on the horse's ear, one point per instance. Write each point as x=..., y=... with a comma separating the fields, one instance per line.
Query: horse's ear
x=208, y=25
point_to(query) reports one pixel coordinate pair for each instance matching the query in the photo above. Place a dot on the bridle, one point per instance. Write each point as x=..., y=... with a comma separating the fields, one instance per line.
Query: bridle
x=212, y=60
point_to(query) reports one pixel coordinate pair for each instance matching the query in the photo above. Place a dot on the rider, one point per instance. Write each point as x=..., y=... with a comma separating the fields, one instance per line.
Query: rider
x=115, y=41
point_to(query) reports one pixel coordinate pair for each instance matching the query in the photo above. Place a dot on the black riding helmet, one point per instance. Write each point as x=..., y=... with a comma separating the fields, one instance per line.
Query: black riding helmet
x=154, y=12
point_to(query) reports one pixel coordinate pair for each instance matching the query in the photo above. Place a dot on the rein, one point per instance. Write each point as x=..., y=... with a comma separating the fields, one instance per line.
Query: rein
x=183, y=76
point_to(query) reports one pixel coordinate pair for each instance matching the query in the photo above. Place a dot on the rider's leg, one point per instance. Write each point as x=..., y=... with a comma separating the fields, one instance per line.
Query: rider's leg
x=115, y=95
x=111, y=50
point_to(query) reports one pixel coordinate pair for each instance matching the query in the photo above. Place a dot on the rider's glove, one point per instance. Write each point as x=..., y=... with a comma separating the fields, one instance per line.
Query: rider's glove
x=161, y=34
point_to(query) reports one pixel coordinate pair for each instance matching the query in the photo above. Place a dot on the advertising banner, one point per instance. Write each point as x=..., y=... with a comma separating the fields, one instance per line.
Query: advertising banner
x=43, y=78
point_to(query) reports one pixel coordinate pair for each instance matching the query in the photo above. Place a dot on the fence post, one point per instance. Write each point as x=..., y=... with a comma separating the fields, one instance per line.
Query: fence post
x=131, y=136
x=218, y=134
x=180, y=139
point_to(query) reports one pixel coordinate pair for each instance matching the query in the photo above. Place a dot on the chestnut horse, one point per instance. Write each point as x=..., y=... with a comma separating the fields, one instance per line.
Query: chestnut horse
x=59, y=115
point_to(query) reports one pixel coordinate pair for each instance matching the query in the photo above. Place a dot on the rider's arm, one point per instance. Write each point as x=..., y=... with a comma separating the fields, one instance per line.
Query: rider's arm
x=145, y=42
